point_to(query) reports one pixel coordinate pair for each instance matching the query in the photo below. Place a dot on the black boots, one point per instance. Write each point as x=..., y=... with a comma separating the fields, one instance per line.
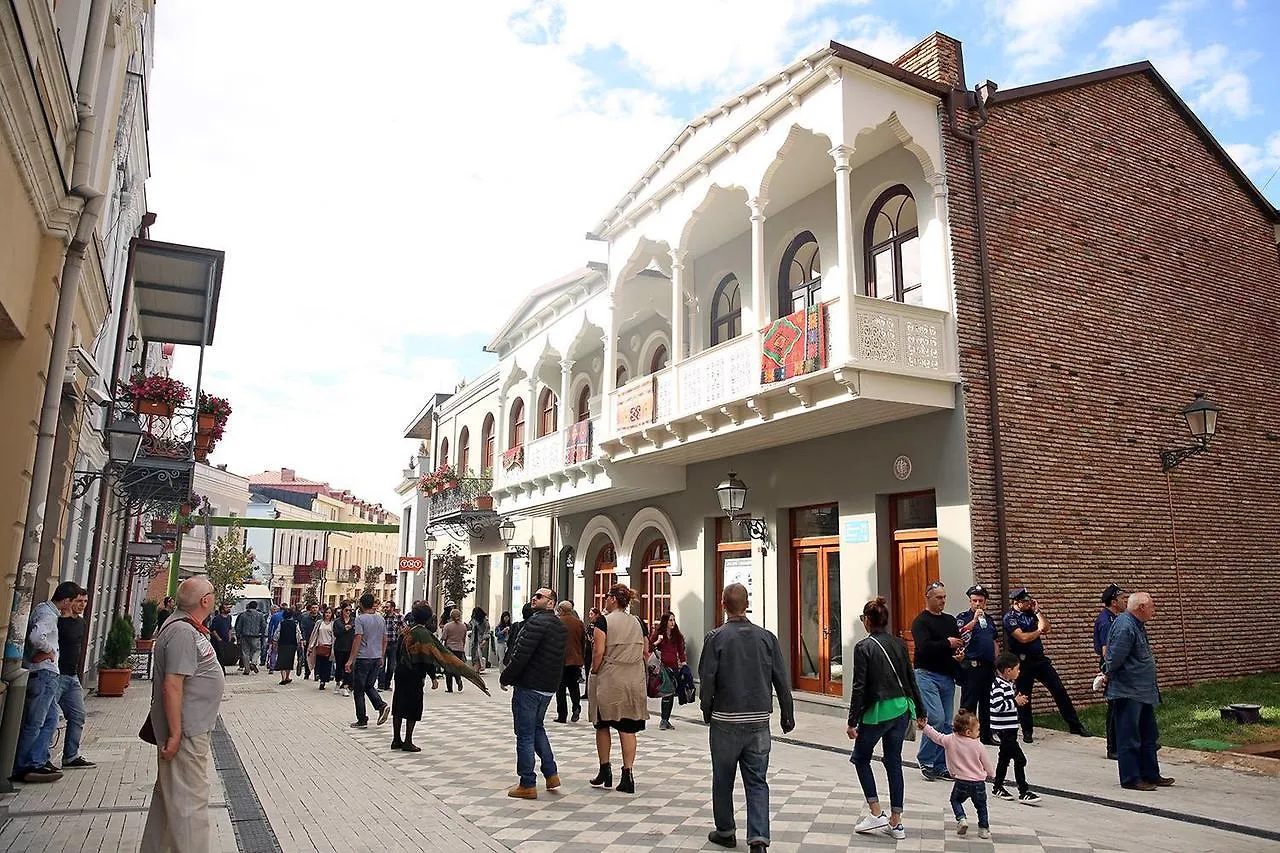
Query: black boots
x=604, y=779
x=627, y=785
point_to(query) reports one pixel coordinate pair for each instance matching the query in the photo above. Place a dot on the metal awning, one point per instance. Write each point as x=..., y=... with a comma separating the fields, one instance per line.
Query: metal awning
x=175, y=289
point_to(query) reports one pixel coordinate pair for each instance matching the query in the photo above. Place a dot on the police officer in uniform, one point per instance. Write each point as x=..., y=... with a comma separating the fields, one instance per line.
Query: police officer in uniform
x=1114, y=600
x=978, y=631
x=1024, y=626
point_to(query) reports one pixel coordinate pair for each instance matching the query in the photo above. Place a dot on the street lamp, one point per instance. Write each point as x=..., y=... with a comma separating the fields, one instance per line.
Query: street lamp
x=1201, y=416
x=507, y=532
x=732, y=494
x=124, y=437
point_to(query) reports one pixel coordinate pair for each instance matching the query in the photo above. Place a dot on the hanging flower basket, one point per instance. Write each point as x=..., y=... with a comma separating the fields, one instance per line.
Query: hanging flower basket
x=155, y=394
x=440, y=480
x=212, y=414
x=205, y=423
x=153, y=407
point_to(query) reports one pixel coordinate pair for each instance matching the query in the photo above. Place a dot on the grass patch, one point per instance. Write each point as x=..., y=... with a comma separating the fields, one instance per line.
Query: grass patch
x=1191, y=713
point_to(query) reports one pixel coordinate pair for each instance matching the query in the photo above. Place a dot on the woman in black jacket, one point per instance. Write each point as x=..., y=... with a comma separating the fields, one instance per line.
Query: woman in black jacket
x=344, y=636
x=884, y=699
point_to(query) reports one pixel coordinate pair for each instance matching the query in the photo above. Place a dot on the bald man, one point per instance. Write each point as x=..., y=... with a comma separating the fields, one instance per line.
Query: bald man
x=185, y=695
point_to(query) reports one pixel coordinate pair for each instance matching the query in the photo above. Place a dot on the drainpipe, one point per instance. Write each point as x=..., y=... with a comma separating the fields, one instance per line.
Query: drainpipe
x=42, y=469
x=970, y=135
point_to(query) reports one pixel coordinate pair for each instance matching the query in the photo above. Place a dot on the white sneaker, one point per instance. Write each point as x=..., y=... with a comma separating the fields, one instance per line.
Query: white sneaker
x=983, y=832
x=899, y=832
x=962, y=826
x=346, y=692
x=872, y=822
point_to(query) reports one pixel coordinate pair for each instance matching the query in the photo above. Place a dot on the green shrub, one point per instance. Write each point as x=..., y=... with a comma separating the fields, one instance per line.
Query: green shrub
x=150, y=615
x=119, y=644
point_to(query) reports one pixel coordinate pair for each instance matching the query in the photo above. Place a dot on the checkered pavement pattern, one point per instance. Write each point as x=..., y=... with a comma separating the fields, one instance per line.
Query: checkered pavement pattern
x=468, y=762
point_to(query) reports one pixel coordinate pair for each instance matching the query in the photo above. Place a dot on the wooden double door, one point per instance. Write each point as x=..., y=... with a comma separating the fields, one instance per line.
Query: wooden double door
x=818, y=649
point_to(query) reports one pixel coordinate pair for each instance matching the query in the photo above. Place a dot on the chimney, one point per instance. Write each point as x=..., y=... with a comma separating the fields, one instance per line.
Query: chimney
x=287, y=475
x=938, y=57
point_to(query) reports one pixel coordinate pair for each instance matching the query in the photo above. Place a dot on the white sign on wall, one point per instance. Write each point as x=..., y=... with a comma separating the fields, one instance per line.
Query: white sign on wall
x=517, y=585
x=739, y=570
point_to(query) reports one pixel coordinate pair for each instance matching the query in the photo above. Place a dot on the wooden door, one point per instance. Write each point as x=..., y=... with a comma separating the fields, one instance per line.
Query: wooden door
x=818, y=648
x=603, y=576
x=915, y=567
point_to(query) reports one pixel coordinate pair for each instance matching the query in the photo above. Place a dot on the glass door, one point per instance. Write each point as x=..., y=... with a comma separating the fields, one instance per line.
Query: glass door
x=818, y=652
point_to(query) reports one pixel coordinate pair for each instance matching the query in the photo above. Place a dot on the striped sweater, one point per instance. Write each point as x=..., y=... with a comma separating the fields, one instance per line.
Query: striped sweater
x=1004, y=711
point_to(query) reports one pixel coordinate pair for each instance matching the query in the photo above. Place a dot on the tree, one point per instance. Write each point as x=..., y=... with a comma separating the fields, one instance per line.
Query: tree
x=230, y=567
x=455, y=573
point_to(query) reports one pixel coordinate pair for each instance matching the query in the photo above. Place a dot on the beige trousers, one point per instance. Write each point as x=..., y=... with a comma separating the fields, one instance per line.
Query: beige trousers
x=178, y=821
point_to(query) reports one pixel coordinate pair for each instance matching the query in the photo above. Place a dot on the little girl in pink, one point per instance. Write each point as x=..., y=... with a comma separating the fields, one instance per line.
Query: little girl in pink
x=969, y=765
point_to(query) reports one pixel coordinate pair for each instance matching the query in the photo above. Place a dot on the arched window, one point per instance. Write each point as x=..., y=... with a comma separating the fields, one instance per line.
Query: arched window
x=464, y=451
x=487, y=442
x=584, y=404
x=444, y=451
x=659, y=359
x=604, y=575
x=547, y=405
x=620, y=377
x=516, y=438
x=655, y=585
x=892, y=238
x=726, y=310
x=800, y=278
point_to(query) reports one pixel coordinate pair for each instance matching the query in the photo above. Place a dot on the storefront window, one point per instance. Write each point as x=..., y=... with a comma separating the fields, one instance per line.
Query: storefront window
x=815, y=521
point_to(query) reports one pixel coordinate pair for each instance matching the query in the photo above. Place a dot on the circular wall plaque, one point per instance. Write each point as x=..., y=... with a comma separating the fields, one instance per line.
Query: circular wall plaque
x=902, y=467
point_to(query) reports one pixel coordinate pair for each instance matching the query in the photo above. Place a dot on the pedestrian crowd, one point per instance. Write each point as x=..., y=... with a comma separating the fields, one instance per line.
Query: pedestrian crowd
x=364, y=648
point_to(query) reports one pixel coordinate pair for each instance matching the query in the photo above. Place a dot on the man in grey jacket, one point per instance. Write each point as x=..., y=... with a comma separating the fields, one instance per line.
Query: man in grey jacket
x=1134, y=694
x=740, y=669
x=250, y=627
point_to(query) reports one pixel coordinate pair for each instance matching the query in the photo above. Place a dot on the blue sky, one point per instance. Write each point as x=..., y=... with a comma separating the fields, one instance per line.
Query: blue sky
x=388, y=185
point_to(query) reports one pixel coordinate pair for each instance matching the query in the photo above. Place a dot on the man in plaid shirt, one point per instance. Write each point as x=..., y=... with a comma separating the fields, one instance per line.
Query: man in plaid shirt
x=394, y=623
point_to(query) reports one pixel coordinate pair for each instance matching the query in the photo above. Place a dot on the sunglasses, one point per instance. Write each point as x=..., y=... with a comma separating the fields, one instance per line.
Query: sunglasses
x=935, y=585
x=536, y=596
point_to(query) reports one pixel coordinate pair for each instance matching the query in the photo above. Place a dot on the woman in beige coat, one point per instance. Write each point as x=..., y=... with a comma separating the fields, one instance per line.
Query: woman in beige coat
x=616, y=696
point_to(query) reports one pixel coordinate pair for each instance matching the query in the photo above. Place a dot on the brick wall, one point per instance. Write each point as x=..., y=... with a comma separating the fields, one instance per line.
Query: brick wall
x=937, y=57
x=1129, y=270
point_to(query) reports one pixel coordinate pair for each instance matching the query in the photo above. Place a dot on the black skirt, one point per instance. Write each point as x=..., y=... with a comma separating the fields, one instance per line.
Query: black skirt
x=285, y=657
x=406, y=701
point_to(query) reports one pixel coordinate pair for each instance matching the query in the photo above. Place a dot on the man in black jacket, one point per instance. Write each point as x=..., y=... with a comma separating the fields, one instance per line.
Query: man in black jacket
x=939, y=651
x=535, y=669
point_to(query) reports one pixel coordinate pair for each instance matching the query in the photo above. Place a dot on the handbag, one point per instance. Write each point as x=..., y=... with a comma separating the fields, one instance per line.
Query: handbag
x=322, y=650
x=687, y=691
x=911, y=730
x=147, y=734
x=668, y=685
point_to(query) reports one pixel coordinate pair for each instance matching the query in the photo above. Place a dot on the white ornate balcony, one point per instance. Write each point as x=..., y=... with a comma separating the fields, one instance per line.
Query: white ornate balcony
x=897, y=363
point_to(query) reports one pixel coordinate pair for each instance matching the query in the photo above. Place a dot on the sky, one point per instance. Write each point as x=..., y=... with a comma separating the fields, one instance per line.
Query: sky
x=388, y=185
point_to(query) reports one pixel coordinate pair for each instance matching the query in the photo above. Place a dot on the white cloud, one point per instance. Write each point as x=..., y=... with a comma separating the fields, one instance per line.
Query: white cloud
x=1035, y=31
x=876, y=36
x=1258, y=161
x=1209, y=78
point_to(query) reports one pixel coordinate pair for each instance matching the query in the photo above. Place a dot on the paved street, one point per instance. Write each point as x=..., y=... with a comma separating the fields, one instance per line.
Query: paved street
x=316, y=785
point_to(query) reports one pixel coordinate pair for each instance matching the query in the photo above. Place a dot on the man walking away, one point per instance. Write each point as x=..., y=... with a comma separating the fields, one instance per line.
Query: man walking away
x=740, y=664
x=40, y=714
x=570, y=685
x=185, y=696
x=938, y=653
x=536, y=669
x=369, y=647
x=220, y=635
x=394, y=623
x=1025, y=627
x=71, y=635
x=978, y=633
x=251, y=625
x=1132, y=689
x=1114, y=600
x=306, y=624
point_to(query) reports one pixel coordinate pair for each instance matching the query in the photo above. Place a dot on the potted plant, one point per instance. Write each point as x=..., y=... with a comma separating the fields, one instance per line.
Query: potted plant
x=212, y=414
x=150, y=615
x=113, y=669
x=442, y=479
x=155, y=394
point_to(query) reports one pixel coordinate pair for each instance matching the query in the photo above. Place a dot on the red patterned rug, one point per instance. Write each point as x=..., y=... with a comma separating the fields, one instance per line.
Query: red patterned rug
x=794, y=345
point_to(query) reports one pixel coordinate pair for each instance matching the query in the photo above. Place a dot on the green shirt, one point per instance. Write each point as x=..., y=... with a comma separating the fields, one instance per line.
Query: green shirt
x=889, y=709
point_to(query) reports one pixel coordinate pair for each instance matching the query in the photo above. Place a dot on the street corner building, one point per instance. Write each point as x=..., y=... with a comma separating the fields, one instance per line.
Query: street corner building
x=98, y=443
x=864, y=327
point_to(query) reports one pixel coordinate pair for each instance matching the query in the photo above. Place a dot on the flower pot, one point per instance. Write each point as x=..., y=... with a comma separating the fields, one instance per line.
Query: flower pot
x=205, y=422
x=113, y=682
x=153, y=407
x=161, y=527
x=142, y=645
x=184, y=509
x=484, y=502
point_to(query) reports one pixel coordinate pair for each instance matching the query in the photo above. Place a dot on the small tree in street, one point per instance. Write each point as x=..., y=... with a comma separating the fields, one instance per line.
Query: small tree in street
x=230, y=567
x=455, y=573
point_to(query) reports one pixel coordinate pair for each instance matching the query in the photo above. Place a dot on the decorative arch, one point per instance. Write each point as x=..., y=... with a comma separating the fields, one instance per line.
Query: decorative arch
x=646, y=250
x=895, y=126
x=794, y=135
x=716, y=194
x=649, y=518
x=656, y=339
x=598, y=526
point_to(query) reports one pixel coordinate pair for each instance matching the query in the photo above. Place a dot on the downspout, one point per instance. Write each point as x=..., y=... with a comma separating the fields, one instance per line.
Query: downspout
x=42, y=468
x=970, y=135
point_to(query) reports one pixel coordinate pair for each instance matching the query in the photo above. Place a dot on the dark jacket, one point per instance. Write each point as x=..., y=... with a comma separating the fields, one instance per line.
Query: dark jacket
x=344, y=637
x=740, y=669
x=307, y=623
x=874, y=678
x=537, y=661
x=932, y=634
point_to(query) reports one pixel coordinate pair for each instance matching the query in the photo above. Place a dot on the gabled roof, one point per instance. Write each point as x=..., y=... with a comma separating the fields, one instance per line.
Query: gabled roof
x=1077, y=81
x=542, y=297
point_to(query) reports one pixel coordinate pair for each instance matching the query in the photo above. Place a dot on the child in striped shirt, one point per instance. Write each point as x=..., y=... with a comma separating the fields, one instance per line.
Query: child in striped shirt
x=1005, y=702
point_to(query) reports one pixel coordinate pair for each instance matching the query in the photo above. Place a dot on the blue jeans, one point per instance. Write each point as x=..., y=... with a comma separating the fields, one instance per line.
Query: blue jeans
x=939, y=695
x=364, y=675
x=529, y=711
x=742, y=747
x=892, y=733
x=39, y=721
x=976, y=791
x=1136, y=739
x=71, y=700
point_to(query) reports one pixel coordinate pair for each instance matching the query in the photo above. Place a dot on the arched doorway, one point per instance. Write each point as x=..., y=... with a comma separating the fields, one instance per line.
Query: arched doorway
x=653, y=593
x=604, y=574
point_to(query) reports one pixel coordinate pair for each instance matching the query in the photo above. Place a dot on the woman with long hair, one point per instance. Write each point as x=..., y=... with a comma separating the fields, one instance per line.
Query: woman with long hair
x=320, y=647
x=454, y=636
x=883, y=699
x=413, y=667
x=477, y=639
x=668, y=642
x=501, y=634
x=616, y=697
x=344, y=637
x=285, y=641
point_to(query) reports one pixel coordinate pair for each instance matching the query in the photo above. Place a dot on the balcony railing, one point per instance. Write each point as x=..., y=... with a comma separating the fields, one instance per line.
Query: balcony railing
x=471, y=494
x=555, y=452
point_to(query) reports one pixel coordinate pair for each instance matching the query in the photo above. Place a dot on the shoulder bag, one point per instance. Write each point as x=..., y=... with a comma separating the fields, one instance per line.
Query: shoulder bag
x=148, y=733
x=911, y=730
